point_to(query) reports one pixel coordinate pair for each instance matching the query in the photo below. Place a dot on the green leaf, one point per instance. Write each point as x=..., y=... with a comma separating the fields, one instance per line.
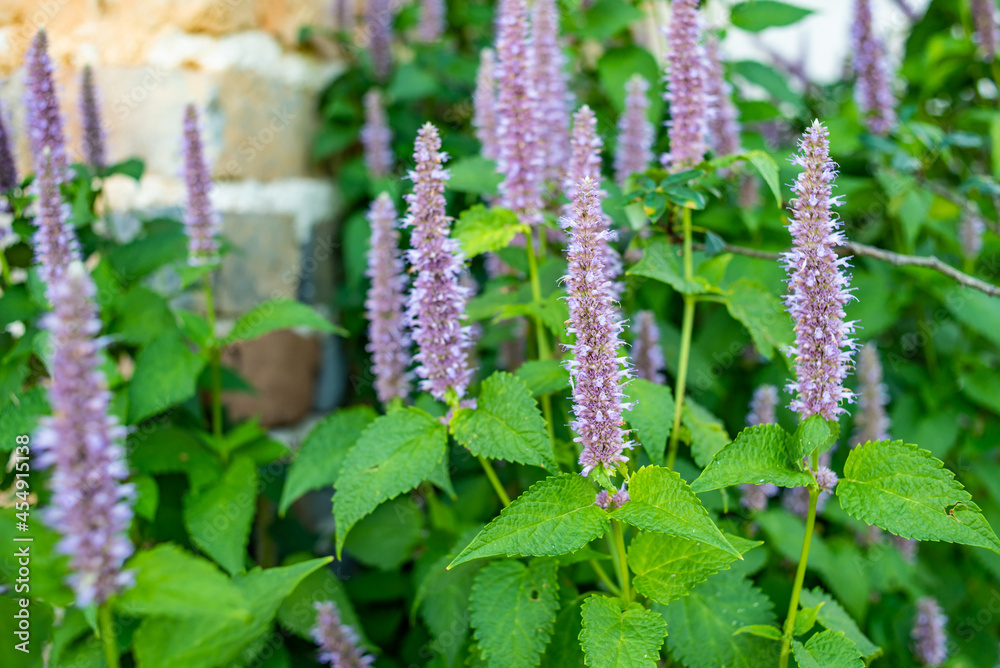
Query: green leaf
x=564, y=649
x=276, y=314
x=506, y=424
x=20, y=415
x=606, y=18
x=708, y=434
x=147, y=496
x=169, y=582
x=620, y=635
x=166, y=374
x=761, y=631
x=759, y=455
x=768, y=170
x=777, y=86
x=762, y=314
x=667, y=567
x=908, y=492
x=144, y=315
x=386, y=538
x=553, y=517
x=475, y=175
x=757, y=15
x=544, y=376
x=661, y=501
x=164, y=243
x=133, y=167
x=661, y=261
x=297, y=613
x=173, y=450
x=806, y=619
x=651, y=416
x=829, y=648
x=395, y=453
x=323, y=452
x=702, y=625
x=813, y=433
x=835, y=618
x=219, y=519
x=513, y=610
x=480, y=230
x=443, y=599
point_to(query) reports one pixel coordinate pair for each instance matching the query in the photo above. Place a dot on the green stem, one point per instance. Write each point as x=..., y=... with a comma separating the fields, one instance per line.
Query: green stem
x=108, y=640
x=687, y=329
x=215, y=360
x=495, y=481
x=544, y=352
x=800, y=575
x=616, y=528
x=612, y=587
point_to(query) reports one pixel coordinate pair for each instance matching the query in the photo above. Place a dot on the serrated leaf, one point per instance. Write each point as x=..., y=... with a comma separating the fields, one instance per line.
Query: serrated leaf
x=620, y=635
x=480, y=230
x=555, y=516
x=275, y=314
x=394, y=454
x=385, y=539
x=761, y=631
x=908, y=492
x=702, y=625
x=323, y=452
x=651, y=416
x=667, y=567
x=564, y=649
x=166, y=372
x=443, y=600
x=219, y=518
x=513, y=609
x=759, y=455
x=661, y=501
x=505, y=424
x=829, y=648
x=762, y=314
x=806, y=619
x=662, y=261
x=173, y=450
x=708, y=433
x=813, y=433
x=544, y=376
x=832, y=616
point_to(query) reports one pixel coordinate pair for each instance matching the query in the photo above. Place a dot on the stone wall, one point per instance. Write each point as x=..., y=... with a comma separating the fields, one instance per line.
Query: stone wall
x=239, y=62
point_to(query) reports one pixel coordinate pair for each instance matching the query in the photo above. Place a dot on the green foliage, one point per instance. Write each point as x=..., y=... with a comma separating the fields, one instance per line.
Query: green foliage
x=620, y=635
x=833, y=617
x=662, y=261
x=813, y=434
x=544, y=377
x=759, y=455
x=651, y=416
x=480, y=230
x=277, y=314
x=757, y=15
x=829, y=648
x=166, y=373
x=762, y=314
x=219, y=519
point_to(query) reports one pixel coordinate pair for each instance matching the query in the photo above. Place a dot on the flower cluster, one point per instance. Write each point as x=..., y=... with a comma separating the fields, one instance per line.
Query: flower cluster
x=818, y=285
x=81, y=442
x=387, y=338
x=432, y=20
x=930, y=643
x=596, y=370
x=871, y=422
x=376, y=136
x=723, y=124
x=611, y=502
x=552, y=89
x=484, y=103
x=647, y=354
x=873, y=90
x=8, y=168
x=687, y=89
x=200, y=219
x=90, y=113
x=635, y=132
x=339, y=643
x=987, y=26
x=436, y=305
x=379, y=26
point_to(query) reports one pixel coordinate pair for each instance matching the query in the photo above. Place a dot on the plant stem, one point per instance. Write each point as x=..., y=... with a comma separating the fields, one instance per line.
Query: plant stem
x=687, y=329
x=108, y=640
x=800, y=575
x=604, y=577
x=215, y=360
x=616, y=528
x=544, y=352
x=495, y=481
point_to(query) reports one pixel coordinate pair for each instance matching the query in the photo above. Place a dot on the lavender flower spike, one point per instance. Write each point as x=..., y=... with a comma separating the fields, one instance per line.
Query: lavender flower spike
x=519, y=157
x=484, y=101
x=436, y=305
x=635, y=132
x=723, y=124
x=762, y=411
x=379, y=28
x=647, y=355
x=553, y=92
x=871, y=422
x=987, y=26
x=596, y=371
x=873, y=89
x=8, y=168
x=45, y=124
x=387, y=338
x=818, y=285
x=91, y=506
x=339, y=643
x=55, y=242
x=200, y=219
x=432, y=20
x=90, y=113
x=376, y=137
x=687, y=89
x=930, y=642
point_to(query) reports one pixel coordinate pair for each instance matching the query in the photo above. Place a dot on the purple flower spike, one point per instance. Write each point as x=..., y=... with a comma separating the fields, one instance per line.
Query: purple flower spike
x=432, y=20
x=437, y=302
x=635, y=132
x=81, y=442
x=873, y=89
x=647, y=355
x=45, y=124
x=200, y=219
x=818, y=285
x=612, y=502
x=519, y=121
x=930, y=644
x=687, y=88
x=90, y=113
x=970, y=234
x=596, y=370
x=987, y=35
x=762, y=411
x=484, y=116
x=871, y=422
x=55, y=242
x=379, y=28
x=339, y=643
x=388, y=341
x=376, y=137
x=723, y=124
x=8, y=168
x=553, y=90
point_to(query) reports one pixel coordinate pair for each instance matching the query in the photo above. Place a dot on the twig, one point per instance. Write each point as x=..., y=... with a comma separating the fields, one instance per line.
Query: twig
x=895, y=259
